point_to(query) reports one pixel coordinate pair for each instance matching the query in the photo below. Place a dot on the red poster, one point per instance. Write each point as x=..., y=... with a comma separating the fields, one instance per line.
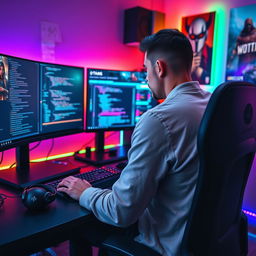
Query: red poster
x=200, y=30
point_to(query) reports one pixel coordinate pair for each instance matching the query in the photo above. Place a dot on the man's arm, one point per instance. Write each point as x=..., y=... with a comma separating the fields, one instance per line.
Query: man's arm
x=148, y=163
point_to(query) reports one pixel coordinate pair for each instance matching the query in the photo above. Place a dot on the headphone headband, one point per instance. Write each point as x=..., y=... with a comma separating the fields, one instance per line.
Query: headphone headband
x=46, y=187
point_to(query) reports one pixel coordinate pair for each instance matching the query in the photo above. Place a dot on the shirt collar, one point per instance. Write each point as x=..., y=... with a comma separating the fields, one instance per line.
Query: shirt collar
x=184, y=87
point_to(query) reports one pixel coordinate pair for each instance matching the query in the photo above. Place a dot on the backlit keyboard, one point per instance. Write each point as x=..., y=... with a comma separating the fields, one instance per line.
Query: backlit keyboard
x=101, y=177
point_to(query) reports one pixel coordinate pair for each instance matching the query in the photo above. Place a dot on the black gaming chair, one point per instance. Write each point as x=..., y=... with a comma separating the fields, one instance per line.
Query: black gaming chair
x=226, y=145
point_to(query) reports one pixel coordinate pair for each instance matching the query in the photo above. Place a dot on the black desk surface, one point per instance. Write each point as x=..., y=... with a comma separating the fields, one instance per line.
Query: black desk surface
x=23, y=232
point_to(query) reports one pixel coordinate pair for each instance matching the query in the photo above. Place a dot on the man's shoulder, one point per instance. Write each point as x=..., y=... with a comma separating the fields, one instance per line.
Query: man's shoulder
x=158, y=111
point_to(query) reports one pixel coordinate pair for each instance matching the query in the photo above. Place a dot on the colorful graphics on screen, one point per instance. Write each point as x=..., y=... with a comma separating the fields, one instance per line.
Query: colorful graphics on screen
x=200, y=30
x=241, y=60
x=4, y=92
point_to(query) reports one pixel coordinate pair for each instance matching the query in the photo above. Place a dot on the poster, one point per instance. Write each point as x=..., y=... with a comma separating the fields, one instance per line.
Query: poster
x=241, y=55
x=200, y=31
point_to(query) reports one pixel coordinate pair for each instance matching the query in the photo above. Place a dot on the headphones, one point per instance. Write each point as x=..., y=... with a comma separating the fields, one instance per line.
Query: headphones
x=38, y=196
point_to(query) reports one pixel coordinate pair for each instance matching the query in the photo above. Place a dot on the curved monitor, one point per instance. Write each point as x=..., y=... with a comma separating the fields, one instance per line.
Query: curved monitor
x=39, y=100
x=116, y=99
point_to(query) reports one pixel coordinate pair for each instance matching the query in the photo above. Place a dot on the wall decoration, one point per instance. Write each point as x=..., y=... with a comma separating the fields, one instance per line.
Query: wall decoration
x=200, y=31
x=241, y=59
x=50, y=34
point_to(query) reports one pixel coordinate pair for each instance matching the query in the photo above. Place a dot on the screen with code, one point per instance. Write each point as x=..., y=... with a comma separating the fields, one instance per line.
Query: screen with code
x=116, y=99
x=61, y=97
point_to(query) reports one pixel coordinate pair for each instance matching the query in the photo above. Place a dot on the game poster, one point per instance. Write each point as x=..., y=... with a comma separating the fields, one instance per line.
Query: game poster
x=200, y=31
x=241, y=59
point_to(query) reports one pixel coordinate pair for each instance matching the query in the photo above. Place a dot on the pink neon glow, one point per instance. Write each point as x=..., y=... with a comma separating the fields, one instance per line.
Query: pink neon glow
x=140, y=96
x=112, y=113
x=104, y=90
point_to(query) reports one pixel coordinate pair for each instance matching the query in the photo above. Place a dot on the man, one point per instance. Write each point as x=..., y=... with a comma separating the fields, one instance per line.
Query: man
x=157, y=186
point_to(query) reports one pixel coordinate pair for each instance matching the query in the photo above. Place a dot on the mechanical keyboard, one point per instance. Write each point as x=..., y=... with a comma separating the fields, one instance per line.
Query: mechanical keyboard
x=101, y=177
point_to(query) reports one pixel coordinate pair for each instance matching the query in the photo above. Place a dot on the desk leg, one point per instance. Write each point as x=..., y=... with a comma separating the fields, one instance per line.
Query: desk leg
x=79, y=248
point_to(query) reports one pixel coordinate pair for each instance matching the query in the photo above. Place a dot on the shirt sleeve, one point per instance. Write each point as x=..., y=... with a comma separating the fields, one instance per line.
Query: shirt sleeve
x=149, y=160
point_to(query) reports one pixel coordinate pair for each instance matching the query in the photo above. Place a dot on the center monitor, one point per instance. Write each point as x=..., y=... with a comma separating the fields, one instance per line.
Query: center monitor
x=116, y=99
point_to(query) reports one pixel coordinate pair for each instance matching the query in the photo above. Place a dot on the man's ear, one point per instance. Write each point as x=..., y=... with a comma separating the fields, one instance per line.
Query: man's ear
x=160, y=68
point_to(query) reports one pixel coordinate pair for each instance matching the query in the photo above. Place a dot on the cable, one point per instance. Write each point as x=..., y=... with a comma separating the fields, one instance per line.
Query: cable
x=50, y=150
x=12, y=165
x=29, y=151
x=4, y=197
x=7, y=196
x=2, y=157
x=37, y=145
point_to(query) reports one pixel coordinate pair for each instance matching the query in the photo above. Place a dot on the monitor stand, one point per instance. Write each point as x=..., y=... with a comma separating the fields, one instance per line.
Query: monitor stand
x=101, y=156
x=26, y=174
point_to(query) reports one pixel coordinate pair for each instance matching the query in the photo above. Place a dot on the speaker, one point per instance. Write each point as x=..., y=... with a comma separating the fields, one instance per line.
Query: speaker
x=38, y=197
x=140, y=22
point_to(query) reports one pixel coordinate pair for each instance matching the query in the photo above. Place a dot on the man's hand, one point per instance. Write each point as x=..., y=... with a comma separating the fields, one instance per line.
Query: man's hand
x=73, y=186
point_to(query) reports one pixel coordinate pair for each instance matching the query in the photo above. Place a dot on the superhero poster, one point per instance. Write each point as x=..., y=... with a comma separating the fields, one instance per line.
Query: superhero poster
x=241, y=59
x=200, y=31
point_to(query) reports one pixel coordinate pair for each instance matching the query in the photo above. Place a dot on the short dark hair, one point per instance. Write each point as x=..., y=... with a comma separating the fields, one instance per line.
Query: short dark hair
x=172, y=45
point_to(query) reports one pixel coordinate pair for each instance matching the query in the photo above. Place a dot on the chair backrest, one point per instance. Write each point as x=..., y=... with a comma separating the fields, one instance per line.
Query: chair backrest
x=226, y=147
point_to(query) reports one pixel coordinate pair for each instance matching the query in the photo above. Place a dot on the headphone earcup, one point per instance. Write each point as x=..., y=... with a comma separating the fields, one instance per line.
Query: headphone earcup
x=49, y=197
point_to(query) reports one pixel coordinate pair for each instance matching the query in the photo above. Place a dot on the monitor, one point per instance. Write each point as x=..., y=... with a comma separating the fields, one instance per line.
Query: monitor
x=38, y=101
x=115, y=101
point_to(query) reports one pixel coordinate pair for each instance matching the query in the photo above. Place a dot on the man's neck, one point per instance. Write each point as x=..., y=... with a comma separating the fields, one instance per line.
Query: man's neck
x=174, y=82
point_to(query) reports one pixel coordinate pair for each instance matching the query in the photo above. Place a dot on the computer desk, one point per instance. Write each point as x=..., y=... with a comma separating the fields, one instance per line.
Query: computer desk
x=23, y=232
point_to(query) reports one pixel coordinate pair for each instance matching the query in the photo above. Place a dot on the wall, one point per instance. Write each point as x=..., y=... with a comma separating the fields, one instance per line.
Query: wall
x=92, y=37
x=174, y=12
x=92, y=33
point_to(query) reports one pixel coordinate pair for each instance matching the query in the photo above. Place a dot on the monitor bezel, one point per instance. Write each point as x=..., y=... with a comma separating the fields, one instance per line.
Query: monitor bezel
x=49, y=135
x=87, y=103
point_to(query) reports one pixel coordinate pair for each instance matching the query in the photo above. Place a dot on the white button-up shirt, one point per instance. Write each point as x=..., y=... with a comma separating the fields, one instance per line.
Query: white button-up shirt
x=157, y=186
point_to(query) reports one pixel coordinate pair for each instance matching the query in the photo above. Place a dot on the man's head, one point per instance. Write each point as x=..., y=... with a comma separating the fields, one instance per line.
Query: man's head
x=168, y=59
